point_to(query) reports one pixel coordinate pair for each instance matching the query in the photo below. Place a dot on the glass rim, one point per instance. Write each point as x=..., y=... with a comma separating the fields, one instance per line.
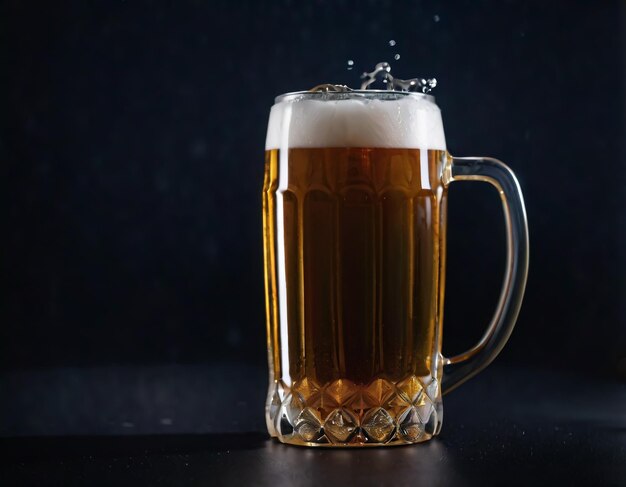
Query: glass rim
x=352, y=94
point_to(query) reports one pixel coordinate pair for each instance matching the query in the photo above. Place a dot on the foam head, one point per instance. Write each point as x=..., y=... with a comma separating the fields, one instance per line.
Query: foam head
x=404, y=121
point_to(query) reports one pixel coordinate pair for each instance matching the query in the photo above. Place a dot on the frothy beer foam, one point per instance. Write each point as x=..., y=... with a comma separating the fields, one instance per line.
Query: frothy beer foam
x=405, y=122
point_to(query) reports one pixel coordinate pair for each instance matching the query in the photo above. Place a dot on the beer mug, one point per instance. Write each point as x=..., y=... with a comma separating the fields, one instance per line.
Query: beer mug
x=354, y=227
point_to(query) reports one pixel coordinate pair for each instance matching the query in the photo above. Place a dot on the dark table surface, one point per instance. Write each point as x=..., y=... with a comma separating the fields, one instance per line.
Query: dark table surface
x=200, y=425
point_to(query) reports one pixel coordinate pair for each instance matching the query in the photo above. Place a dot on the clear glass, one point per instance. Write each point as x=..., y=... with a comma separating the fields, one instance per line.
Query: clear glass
x=354, y=247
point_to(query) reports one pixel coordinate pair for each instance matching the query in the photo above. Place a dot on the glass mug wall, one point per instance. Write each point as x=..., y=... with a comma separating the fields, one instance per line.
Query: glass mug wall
x=354, y=218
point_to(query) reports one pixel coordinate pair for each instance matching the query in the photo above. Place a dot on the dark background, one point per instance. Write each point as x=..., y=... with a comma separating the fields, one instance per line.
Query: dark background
x=132, y=158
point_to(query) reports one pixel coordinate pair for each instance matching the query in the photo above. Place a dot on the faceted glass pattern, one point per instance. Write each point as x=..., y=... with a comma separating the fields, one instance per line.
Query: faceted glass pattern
x=342, y=413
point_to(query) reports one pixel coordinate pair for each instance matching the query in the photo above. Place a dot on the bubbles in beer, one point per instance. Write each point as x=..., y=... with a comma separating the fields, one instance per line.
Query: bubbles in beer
x=350, y=64
x=396, y=57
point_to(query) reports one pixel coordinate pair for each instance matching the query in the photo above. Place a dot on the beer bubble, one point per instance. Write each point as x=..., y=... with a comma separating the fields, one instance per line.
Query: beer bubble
x=350, y=64
x=436, y=18
x=396, y=57
x=392, y=43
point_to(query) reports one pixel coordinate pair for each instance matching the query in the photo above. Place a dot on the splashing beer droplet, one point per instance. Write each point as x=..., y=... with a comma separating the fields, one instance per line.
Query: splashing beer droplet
x=436, y=18
x=329, y=88
x=382, y=72
x=392, y=43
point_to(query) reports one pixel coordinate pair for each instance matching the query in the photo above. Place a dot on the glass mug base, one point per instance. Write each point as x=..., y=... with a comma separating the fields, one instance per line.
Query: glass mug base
x=344, y=414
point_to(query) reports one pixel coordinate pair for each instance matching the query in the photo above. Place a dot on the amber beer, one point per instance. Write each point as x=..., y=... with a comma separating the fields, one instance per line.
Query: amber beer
x=354, y=257
x=363, y=260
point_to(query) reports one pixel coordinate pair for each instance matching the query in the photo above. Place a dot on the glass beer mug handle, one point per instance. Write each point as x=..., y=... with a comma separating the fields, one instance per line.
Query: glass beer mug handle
x=467, y=364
